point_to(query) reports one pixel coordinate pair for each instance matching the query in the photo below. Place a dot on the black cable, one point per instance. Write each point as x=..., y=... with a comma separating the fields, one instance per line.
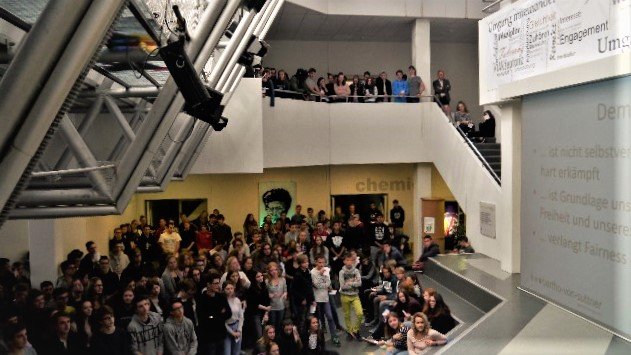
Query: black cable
x=144, y=64
x=188, y=135
x=166, y=6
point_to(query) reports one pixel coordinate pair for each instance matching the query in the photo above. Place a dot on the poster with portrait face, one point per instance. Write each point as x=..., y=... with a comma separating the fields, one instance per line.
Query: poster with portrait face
x=276, y=197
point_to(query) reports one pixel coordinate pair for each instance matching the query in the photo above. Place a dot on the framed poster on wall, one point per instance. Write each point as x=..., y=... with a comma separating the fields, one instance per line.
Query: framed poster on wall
x=276, y=197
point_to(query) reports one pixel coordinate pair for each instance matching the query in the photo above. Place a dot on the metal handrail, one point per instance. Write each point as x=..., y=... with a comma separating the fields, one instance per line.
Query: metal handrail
x=368, y=97
x=479, y=155
x=472, y=146
x=491, y=5
x=301, y=94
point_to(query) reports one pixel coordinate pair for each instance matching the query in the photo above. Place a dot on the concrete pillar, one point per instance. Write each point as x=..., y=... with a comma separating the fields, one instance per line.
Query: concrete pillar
x=45, y=249
x=509, y=213
x=422, y=188
x=421, y=52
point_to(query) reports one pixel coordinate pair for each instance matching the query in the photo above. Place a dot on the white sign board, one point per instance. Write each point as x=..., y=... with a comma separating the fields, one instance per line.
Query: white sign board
x=576, y=200
x=534, y=37
x=487, y=219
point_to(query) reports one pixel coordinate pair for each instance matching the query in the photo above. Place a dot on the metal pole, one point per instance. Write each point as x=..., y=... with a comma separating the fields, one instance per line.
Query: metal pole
x=168, y=104
x=149, y=189
x=270, y=21
x=265, y=15
x=135, y=123
x=234, y=56
x=225, y=59
x=237, y=79
x=195, y=144
x=83, y=128
x=23, y=79
x=83, y=154
x=192, y=151
x=57, y=212
x=491, y=5
x=71, y=171
x=120, y=118
x=217, y=32
x=57, y=196
x=58, y=84
x=141, y=92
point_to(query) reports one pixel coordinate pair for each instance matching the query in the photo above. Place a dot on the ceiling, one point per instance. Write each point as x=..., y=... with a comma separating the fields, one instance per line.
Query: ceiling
x=301, y=24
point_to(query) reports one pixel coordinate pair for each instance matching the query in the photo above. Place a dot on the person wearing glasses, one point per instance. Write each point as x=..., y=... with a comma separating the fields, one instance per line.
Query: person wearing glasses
x=179, y=331
x=212, y=312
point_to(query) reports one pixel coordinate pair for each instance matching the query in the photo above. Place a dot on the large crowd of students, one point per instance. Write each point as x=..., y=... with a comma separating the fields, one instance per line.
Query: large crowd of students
x=195, y=287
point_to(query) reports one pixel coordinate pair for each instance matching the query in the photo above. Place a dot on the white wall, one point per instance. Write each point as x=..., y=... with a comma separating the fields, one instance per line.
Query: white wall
x=335, y=56
x=401, y=8
x=470, y=184
x=241, y=140
x=299, y=133
x=460, y=62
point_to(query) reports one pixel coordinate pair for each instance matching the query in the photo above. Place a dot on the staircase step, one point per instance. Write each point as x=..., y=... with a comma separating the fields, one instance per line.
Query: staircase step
x=492, y=158
x=490, y=152
x=487, y=145
x=496, y=166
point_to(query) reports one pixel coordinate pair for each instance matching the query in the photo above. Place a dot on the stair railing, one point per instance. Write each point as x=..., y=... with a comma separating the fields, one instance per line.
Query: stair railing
x=479, y=155
x=471, y=145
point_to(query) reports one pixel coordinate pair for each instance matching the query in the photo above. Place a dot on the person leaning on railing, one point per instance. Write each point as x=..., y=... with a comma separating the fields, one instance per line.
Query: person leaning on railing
x=384, y=87
x=322, y=90
x=416, y=87
x=341, y=89
x=370, y=90
x=282, y=83
x=356, y=89
x=400, y=87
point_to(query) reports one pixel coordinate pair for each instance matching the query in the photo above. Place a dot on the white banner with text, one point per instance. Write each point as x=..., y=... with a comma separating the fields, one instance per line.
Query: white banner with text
x=534, y=37
x=576, y=200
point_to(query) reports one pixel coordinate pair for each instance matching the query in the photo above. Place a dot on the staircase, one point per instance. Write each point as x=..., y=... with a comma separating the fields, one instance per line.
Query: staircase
x=488, y=152
x=492, y=153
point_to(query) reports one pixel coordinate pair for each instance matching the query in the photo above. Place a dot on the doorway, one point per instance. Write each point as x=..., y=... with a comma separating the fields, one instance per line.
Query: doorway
x=171, y=209
x=362, y=204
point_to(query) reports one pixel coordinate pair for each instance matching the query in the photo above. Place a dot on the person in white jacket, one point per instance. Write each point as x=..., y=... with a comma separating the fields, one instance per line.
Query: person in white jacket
x=321, y=286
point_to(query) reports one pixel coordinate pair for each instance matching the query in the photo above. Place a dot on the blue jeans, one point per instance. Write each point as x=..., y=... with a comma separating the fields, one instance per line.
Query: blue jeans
x=232, y=346
x=324, y=310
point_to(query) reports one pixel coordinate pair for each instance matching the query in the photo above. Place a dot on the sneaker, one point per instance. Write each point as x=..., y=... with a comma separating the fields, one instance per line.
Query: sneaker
x=336, y=341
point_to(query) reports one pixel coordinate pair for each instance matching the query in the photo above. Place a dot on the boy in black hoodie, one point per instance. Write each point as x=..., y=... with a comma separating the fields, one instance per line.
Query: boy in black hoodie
x=302, y=291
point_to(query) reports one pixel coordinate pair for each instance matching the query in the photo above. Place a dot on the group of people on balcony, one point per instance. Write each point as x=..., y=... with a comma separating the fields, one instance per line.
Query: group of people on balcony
x=336, y=88
x=306, y=84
